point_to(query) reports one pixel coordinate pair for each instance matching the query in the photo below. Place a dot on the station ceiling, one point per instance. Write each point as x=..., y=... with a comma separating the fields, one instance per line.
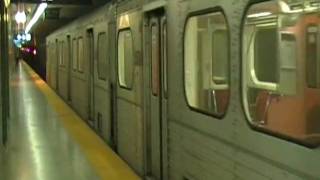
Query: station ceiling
x=57, y=14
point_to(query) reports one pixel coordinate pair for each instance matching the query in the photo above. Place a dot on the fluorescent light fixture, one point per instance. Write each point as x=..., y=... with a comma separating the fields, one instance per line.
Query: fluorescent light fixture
x=285, y=8
x=21, y=17
x=261, y=14
x=7, y=3
x=42, y=7
x=28, y=37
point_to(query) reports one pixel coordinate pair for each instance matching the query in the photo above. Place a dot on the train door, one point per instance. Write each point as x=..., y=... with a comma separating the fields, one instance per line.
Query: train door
x=69, y=69
x=112, y=83
x=130, y=93
x=90, y=55
x=157, y=94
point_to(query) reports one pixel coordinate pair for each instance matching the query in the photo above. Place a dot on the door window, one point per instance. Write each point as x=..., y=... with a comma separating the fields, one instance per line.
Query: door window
x=125, y=58
x=165, y=59
x=206, y=63
x=74, y=54
x=80, y=55
x=61, y=50
x=102, y=56
x=155, y=59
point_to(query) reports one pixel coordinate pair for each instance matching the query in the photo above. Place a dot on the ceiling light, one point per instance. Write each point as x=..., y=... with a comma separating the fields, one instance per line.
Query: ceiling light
x=7, y=3
x=262, y=14
x=21, y=17
x=19, y=37
x=28, y=37
x=42, y=7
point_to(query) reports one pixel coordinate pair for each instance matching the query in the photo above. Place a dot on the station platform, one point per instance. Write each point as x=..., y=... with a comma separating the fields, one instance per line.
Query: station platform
x=49, y=141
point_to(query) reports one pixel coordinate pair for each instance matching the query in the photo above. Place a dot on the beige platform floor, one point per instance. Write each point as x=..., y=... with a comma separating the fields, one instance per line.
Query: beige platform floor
x=48, y=141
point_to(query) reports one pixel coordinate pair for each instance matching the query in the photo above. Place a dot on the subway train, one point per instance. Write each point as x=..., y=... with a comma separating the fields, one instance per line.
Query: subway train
x=197, y=89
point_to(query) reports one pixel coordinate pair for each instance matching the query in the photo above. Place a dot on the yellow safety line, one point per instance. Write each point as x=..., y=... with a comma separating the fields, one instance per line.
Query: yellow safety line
x=106, y=162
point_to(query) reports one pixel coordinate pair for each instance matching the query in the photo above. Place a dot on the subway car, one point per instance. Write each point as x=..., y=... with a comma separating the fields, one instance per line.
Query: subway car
x=198, y=89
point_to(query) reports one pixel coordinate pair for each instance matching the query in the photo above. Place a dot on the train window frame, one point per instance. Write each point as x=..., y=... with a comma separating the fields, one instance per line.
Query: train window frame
x=124, y=86
x=74, y=54
x=212, y=10
x=107, y=60
x=81, y=64
x=244, y=84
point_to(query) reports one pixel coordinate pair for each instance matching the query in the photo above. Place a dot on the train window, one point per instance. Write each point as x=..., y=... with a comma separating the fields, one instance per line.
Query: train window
x=281, y=70
x=80, y=55
x=56, y=55
x=266, y=61
x=165, y=59
x=155, y=59
x=66, y=55
x=125, y=58
x=206, y=63
x=61, y=49
x=74, y=54
x=102, y=56
x=59, y=53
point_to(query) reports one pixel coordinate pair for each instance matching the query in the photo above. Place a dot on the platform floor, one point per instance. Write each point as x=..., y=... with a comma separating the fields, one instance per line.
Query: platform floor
x=48, y=141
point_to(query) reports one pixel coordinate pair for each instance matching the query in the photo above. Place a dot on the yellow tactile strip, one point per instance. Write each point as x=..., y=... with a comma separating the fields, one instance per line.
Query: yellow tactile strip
x=106, y=163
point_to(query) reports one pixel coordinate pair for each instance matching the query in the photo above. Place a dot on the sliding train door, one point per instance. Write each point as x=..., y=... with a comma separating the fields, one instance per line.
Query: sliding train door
x=129, y=103
x=104, y=100
x=155, y=47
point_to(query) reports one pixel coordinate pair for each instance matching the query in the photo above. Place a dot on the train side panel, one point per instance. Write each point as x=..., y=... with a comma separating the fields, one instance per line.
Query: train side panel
x=202, y=146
